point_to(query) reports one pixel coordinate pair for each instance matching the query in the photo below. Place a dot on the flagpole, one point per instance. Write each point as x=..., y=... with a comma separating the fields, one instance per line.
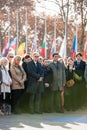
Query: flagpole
x=55, y=32
x=26, y=32
x=0, y=40
x=9, y=26
x=45, y=37
x=65, y=31
x=17, y=30
x=36, y=31
x=76, y=30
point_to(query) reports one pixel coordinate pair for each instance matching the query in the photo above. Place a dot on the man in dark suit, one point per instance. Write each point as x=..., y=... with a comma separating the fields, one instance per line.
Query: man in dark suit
x=0, y=76
x=80, y=85
x=35, y=83
x=0, y=90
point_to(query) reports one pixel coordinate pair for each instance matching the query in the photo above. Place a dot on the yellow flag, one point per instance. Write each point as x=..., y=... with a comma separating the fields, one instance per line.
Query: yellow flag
x=21, y=49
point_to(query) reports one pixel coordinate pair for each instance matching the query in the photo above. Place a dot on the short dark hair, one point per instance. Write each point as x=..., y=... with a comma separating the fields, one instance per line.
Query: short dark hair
x=45, y=59
x=55, y=54
x=27, y=56
x=79, y=53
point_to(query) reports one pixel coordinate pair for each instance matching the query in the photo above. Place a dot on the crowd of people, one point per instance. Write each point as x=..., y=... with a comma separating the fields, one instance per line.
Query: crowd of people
x=36, y=85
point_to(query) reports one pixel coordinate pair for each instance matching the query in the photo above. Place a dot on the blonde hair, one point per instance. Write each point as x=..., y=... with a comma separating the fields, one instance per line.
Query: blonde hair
x=15, y=58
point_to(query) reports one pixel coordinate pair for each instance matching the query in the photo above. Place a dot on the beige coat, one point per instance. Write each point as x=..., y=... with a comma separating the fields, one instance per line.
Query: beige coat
x=18, y=76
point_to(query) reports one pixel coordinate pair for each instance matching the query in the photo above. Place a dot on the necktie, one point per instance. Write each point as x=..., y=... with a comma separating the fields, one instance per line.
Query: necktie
x=56, y=65
x=36, y=64
x=78, y=63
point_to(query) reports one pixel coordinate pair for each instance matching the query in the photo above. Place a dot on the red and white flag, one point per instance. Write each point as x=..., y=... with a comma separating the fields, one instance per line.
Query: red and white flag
x=85, y=49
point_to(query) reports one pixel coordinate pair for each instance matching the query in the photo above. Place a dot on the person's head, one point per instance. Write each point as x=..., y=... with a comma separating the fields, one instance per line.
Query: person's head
x=10, y=56
x=27, y=58
x=40, y=59
x=55, y=56
x=79, y=56
x=35, y=56
x=45, y=62
x=3, y=61
x=70, y=61
x=17, y=60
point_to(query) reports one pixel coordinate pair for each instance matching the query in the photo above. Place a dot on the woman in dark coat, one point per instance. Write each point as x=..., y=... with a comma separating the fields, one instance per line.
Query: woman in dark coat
x=47, y=82
x=25, y=60
x=69, y=97
x=24, y=100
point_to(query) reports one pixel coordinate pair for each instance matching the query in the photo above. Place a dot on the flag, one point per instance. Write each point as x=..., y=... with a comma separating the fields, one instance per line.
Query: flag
x=8, y=46
x=43, y=50
x=53, y=49
x=21, y=49
x=5, y=48
x=34, y=45
x=74, y=48
x=62, y=51
x=85, y=49
x=13, y=45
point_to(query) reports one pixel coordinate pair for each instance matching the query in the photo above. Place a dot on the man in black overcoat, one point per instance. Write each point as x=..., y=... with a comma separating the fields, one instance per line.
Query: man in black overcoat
x=35, y=83
x=80, y=84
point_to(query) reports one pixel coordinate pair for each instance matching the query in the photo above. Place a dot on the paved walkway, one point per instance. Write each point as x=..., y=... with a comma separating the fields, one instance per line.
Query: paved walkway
x=54, y=121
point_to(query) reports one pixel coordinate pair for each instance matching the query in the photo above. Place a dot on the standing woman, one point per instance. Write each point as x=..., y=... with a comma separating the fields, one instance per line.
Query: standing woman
x=6, y=82
x=18, y=77
x=69, y=96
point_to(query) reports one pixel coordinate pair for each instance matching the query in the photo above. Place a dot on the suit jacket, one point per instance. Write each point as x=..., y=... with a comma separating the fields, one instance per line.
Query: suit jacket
x=59, y=77
x=34, y=73
x=0, y=76
x=79, y=69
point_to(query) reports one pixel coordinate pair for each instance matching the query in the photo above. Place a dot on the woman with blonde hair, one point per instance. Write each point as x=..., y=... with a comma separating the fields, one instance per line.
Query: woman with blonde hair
x=18, y=77
x=6, y=82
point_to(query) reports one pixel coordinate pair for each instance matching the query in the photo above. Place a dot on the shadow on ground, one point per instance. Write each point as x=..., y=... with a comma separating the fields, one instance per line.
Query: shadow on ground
x=28, y=121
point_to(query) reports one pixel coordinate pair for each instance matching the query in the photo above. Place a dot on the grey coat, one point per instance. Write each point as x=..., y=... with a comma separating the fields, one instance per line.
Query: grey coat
x=58, y=76
x=85, y=73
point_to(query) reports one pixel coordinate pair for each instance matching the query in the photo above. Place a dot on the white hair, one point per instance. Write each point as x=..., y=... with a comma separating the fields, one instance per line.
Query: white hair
x=3, y=60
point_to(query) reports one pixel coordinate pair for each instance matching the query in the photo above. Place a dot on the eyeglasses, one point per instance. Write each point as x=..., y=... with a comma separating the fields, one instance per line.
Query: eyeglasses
x=36, y=56
x=11, y=56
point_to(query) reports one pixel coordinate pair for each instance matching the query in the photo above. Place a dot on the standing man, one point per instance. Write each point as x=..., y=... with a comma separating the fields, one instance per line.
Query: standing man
x=58, y=82
x=80, y=84
x=35, y=84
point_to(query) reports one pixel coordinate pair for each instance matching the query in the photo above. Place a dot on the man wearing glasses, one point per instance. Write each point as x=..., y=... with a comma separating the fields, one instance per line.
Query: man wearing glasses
x=35, y=84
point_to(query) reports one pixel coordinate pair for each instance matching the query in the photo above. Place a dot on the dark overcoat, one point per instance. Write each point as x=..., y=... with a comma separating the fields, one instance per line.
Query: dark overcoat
x=0, y=76
x=80, y=69
x=34, y=73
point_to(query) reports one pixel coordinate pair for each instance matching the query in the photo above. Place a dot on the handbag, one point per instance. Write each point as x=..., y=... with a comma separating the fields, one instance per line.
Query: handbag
x=70, y=83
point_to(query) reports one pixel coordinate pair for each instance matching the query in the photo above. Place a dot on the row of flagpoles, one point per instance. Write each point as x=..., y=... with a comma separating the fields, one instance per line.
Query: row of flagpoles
x=14, y=44
x=12, y=47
